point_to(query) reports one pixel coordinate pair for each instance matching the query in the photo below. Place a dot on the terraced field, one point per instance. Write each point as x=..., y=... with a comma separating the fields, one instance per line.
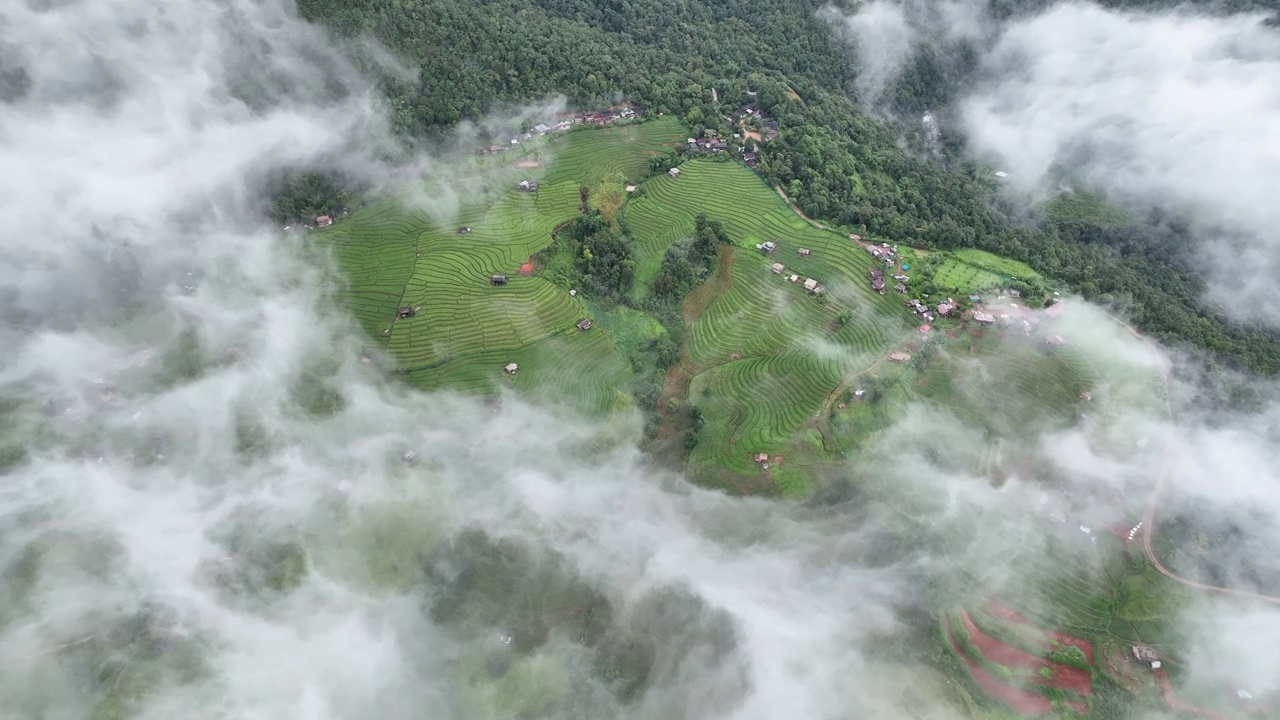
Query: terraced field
x=769, y=352
x=587, y=156
x=465, y=329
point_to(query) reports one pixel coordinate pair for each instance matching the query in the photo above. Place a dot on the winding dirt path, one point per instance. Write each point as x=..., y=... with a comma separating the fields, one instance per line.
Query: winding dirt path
x=1149, y=516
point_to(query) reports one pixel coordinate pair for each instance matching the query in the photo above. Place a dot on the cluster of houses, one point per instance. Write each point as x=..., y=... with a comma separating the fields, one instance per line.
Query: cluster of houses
x=770, y=128
x=564, y=121
x=601, y=117
x=877, y=280
x=710, y=143
x=888, y=255
x=920, y=309
x=527, y=186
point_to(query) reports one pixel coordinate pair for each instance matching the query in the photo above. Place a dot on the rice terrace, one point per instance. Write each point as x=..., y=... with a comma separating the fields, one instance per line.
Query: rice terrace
x=798, y=347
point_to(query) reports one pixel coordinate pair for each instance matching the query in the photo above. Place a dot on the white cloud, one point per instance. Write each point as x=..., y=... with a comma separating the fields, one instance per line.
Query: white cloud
x=1175, y=109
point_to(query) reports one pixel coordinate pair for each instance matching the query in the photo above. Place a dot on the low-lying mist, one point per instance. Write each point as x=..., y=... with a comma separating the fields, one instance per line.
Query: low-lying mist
x=210, y=507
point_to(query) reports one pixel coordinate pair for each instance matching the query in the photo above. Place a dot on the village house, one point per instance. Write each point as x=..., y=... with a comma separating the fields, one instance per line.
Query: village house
x=464, y=230
x=855, y=238
x=674, y=172
x=945, y=307
x=1055, y=340
x=1144, y=654
x=527, y=186
x=1086, y=395
x=899, y=356
x=804, y=252
x=810, y=284
x=541, y=129
x=767, y=247
x=877, y=281
x=498, y=279
x=900, y=288
x=405, y=312
x=511, y=368
x=794, y=278
x=924, y=329
x=1053, y=310
x=777, y=268
x=984, y=317
x=584, y=324
x=631, y=188
x=324, y=221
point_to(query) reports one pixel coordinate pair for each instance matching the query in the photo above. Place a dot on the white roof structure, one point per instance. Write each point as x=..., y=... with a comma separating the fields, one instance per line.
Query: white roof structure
x=810, y=284
x=511, y=368
x=777, y=268
x=674, y=172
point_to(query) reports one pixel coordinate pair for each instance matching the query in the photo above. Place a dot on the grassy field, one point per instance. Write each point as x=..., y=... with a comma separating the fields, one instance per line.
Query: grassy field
x=969, y=270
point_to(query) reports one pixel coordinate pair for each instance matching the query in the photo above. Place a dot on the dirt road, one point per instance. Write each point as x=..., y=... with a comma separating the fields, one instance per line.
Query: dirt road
x=1149, y=516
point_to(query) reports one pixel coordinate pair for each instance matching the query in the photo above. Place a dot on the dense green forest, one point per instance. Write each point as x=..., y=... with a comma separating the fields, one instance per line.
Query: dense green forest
x=477, y=56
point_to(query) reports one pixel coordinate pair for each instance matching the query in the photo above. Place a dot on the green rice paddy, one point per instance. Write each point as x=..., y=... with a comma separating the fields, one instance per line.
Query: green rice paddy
x=771, y=367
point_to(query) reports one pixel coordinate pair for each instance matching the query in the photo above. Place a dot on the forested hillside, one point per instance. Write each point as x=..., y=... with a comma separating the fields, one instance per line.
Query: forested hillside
x=474, y=56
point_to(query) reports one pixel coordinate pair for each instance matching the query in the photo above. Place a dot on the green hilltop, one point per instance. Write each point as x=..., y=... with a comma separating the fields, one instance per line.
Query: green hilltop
x=750, y=364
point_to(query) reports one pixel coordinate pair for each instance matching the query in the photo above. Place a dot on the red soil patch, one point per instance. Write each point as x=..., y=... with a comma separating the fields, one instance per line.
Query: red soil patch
x=526, y=268
x=1004, y=612
x=1021, y=701
x=1007, y=613
x=951, y=334
x=1063, y=678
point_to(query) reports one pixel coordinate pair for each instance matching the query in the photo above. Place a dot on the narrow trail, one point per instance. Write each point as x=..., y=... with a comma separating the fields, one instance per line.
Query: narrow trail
x=795, y=209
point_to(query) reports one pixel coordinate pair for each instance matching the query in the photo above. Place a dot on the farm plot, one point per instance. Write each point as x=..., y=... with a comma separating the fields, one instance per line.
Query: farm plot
x=752, y=213
x=374, y=255
x=757, y=405
x=1042, y=639
x=996, y=264
x=1058, y=676
x=581, y=370
x=1013, y=387
x=588, y=156
x=955, y=275
x=1018, y=700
